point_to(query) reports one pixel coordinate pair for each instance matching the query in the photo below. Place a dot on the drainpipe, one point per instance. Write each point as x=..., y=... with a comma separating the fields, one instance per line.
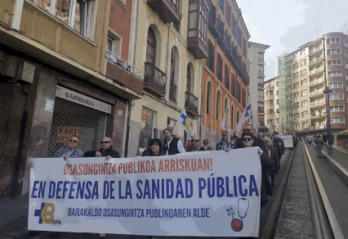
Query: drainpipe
x=202, y=99
x=130, y=104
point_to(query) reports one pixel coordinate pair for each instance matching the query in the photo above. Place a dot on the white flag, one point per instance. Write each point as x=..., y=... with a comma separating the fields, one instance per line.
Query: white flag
x=225, y=120
x=245, y=116
x=184, y=122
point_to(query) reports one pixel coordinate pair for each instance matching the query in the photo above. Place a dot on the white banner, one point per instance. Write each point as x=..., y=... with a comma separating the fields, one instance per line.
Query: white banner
x=190, y=194
x=288, y=143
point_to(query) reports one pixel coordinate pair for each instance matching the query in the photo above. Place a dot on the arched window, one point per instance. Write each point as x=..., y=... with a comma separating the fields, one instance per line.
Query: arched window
x=151, y=47
x=225, y=106
x=174, y=72
x=237, y=116
x=190, y=78
x=209, y=98
x=218, y=105
x=232, y=116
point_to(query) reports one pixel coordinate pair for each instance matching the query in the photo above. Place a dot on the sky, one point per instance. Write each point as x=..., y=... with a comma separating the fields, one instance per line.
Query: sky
x=285, y=25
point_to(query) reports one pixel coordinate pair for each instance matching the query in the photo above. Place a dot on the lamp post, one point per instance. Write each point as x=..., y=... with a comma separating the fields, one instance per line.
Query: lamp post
x=327, y=91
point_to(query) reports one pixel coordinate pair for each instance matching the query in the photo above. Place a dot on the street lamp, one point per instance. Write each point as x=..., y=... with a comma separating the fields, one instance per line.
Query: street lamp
x=327, y=91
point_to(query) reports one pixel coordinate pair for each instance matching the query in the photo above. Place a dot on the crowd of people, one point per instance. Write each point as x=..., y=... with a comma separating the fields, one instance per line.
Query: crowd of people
x=271, y=148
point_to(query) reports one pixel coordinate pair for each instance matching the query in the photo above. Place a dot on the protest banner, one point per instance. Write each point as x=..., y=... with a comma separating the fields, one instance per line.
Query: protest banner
x=288, y=143
x=191, y=194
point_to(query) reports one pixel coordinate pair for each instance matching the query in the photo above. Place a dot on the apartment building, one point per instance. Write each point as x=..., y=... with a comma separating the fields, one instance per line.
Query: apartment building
x=225, y=73
x=256, y=86
x=271, y=105
x=57, y=79
x=309, y=70
x=170, y=41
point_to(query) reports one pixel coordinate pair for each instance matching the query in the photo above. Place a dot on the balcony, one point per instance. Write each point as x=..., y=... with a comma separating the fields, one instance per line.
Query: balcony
x=318, y=116
x=316, y=50
x=316, y=71
x=317, y=104
x=315, y=61
x=317, y=93
x=191, y=104
x=123, y=72
x=216, y=25
x=316, y=82
x=197, y=46
x=168, y=10
x=154, y=80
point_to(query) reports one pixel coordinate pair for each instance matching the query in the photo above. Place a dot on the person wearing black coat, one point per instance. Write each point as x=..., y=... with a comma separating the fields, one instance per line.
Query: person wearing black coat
x=105, y=151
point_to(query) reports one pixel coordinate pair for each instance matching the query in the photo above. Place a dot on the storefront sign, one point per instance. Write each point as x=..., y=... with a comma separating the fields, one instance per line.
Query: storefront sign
x=81, y=99
x=191, y=194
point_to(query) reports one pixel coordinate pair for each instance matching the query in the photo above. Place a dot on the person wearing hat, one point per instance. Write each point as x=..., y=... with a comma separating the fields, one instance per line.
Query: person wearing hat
x=272, y=154
x=225, y=142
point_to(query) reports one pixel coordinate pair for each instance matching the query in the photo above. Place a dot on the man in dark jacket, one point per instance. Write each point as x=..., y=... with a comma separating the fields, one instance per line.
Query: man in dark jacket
x=278, y=143
x=172, y=145
x=105, y=151
x=256, y=141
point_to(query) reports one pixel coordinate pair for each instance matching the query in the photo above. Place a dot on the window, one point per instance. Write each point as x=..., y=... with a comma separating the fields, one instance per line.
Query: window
x=304, y=114
x=335, y=63
x=335, y=74
x=147, y=127
x=190, y=78
x=296, y=105
x=239, y=37
x=261, y=58
x=227, y=77
x=296, y=116
x=232, y=116
x=337, y=120
x=304, y=82
x=295, y=66
x=74, y=13
x=260, y=108
x=198, y=26
x=305, y=125
x=238, y=93
x=336, y=85
x=303, y=72
x=211, y=55
x=336, y=51
x=336, y=97
x=304, y=93
x=174, y=64
x=304, y=103
x=303, y=53
x=209, y=98
x=234, y=27
x=233, y=88
x=261, y=70
x=338, y=108
x=303, y=62
x=260, y=96
x=334, y=40
x=221, y=5
x=228, y=14
x=295, y=85
x=295, y=75
x=151, y=47
x=219, y=67
x=243, y=98
x=295, y=95
x=260, y=80
x=218, y=105
x=114, y=44
x=270, y=111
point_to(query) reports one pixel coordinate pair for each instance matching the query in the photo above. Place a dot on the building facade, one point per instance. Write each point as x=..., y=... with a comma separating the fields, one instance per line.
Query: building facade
x=305, y=74
x=57, y=79
x=225, y=73
x=256, y=86
x=170, y=38
x=271, y=105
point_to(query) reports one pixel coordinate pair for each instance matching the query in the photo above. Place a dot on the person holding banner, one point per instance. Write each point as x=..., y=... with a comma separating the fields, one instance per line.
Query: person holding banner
x=71, y=151
x=105, y=151
x=195, y=144
x=172, y=145
x=266, y=164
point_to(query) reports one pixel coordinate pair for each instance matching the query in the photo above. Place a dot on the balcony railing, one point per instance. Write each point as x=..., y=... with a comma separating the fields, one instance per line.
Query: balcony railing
x=123, y=64
x=317, y=93
x=216, y=25
x=317, y=103
x=191, y=103
x=154, y=78
x=316, y=50
x=315, y=61
x=313, y=72
x=318, y=116
x=315, y=82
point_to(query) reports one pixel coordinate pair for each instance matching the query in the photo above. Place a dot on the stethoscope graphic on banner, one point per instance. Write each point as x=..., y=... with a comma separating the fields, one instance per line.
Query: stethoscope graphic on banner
x=237, y=222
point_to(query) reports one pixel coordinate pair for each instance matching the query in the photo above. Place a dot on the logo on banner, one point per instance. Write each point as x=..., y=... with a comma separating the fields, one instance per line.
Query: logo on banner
x=46, y=214
x=242, y=211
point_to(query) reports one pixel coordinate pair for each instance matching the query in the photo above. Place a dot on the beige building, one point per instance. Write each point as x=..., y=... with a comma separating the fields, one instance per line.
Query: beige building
x=170, y=38
x=271, y=105
x=304, y=75
x=256, y=85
